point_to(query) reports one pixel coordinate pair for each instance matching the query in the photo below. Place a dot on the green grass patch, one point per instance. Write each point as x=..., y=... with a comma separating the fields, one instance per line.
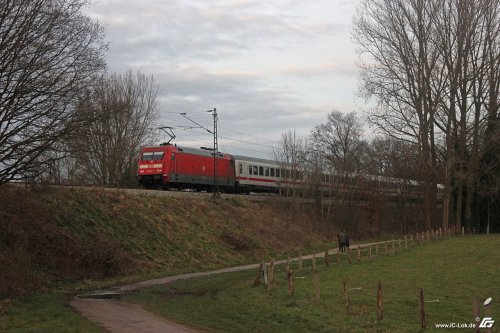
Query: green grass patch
x=45, y=313
x=452, y=271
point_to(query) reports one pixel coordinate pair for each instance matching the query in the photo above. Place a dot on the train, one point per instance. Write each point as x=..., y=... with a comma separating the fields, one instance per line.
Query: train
x=174, y=167
x=170, y=166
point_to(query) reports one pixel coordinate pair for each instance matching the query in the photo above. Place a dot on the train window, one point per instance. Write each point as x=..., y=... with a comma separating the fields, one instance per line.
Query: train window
x=277, y=173
x=147, y=156
x=249, y=169
x=272, y=172
x=261, y=171
x=241, y=168
x=152, y=156
x=266, y=171
x=255, y=170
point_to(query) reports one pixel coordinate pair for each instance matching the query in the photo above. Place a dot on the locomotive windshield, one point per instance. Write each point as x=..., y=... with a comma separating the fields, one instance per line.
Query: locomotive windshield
x=152, y=156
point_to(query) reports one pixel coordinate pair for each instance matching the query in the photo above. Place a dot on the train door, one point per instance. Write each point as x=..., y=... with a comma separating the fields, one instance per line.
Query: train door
x=173, y=163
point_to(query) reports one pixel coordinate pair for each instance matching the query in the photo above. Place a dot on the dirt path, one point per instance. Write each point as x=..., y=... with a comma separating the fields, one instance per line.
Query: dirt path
x=122, y=317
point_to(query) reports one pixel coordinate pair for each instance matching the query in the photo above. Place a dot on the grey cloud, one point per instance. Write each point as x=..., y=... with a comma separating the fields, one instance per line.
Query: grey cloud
x=180, y=30
x=325, y=69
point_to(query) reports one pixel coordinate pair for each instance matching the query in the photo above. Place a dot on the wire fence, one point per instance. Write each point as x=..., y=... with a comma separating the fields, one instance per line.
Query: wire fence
x=371, y=297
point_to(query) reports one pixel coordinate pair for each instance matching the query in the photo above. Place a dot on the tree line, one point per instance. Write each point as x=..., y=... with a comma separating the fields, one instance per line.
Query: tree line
x=351, y=176
x=62, y=115
x=432, y=69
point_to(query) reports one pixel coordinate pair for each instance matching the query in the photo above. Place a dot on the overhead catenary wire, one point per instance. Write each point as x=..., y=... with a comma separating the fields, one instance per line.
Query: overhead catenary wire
x=204, y=123
x=193, y=130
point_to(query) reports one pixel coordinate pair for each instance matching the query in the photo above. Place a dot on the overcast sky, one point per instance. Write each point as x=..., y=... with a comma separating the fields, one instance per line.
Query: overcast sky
x=267, y=66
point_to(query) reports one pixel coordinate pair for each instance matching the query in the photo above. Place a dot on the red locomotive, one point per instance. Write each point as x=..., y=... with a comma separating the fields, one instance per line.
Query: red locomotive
x=169, y=166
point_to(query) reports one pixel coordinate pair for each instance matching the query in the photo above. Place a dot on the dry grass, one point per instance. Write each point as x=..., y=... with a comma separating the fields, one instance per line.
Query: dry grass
x=54, y=236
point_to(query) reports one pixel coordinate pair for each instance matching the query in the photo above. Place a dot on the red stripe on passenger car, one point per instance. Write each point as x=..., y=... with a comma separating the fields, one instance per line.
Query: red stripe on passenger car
x=257, y=179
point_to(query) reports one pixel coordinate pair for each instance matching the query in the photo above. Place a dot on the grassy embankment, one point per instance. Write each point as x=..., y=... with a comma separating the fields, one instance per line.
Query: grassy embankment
x=58, y=242
x=451, y=272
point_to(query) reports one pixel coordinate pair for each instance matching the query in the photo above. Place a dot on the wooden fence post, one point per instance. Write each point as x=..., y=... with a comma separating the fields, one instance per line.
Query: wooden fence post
x=288, y=264
x=376, y=249
x=393, y=246
x=291, y=290
x=463, y=231
x=349, y=255
x=346, y=297
x=370, y=253
x=385, y=247
x=475, y=312
x=266, y=281
x=257, y=279
x=270, y=277
x=315, y=279
x=399, y=244
x=421, y=307
x=406, y=242
x=326, y=259
x=411, y=237
x=380, y=304
x=359, y=253
x=300, y=262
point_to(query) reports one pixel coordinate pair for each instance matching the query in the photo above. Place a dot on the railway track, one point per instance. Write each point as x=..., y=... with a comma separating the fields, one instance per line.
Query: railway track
x=191, y=194
x=156, y=193
x=204, y=195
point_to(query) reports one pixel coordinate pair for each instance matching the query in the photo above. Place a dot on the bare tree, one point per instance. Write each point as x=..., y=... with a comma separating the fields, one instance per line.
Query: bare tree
x=49, y=53
x=392, y=158
x=400, y=72
x=340, y=140
x=290, y=154
x=488, y=181
x=124, y=109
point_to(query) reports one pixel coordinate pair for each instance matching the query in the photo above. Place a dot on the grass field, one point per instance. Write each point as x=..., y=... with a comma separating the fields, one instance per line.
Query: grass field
x=45, y=313
x=451, y=272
